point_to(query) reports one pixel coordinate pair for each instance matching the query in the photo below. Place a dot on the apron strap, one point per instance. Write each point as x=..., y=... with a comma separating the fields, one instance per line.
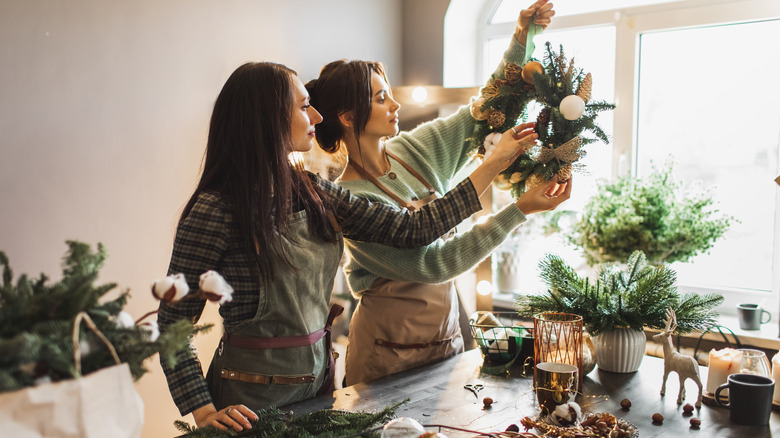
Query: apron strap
x=328, y=385
x=409, y=206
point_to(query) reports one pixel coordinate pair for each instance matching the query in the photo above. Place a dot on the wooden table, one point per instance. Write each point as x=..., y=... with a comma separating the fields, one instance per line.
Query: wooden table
x=437, y=396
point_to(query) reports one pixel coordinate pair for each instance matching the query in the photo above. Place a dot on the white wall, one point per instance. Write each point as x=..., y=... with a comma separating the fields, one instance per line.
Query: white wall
x=104, y=107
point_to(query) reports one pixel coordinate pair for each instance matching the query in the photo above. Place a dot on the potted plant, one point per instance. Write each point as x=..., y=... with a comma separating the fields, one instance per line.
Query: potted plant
x=619, y=305
x=651, y=214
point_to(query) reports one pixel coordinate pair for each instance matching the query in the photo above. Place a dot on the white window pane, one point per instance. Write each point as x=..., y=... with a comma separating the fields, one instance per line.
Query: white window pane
x=593, y=50
x=708, y=98
x=508, y=10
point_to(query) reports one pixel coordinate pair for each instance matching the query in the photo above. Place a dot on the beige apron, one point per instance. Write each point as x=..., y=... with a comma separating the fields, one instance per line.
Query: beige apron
x=398, y=325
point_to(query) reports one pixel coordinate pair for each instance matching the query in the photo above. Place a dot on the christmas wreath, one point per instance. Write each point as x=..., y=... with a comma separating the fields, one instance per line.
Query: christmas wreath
x=564, y=91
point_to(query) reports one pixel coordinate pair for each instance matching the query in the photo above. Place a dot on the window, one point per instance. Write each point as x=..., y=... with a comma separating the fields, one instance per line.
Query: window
x=691, y=79
x=705, y=98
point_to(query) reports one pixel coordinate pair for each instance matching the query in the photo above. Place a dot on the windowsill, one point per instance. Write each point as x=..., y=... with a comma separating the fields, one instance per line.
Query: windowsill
x=766, y=338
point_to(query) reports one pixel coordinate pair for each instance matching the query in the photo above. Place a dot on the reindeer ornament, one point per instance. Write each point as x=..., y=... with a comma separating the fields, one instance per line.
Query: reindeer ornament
x=685, y=366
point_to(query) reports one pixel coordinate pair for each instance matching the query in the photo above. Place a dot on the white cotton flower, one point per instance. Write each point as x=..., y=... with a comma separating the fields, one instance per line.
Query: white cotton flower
x=491, y=140
x=172, y=288
x=215, y=288
x=151, y=328
x=124, y=320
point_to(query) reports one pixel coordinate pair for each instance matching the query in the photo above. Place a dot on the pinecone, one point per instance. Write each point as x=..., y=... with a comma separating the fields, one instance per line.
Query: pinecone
x=490, y=90
x=583, y=91
x=513, y=73
x=542, y=121
x=571, y=69
x=496, y=118
x=564, y=173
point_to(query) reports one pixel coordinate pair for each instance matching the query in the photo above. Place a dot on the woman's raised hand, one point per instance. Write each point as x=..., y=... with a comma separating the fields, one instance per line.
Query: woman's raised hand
x=544, y=197
x=544, y=13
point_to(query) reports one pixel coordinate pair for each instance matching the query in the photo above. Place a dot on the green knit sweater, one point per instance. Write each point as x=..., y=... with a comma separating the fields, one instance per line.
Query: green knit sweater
x=438, y=151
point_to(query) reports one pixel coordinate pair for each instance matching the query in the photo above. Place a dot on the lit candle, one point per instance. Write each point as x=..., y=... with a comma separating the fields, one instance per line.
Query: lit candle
x=722, y=364
x=776, y=376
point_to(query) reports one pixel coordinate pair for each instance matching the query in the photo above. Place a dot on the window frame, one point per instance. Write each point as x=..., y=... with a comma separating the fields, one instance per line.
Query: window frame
x=630, y=23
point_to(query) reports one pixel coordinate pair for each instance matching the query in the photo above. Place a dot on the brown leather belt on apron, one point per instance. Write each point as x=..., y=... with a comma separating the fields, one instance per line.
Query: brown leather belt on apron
x=260, y=343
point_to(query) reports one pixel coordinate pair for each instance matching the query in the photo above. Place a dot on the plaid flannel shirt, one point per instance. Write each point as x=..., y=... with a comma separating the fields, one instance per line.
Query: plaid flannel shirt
x=207, y=240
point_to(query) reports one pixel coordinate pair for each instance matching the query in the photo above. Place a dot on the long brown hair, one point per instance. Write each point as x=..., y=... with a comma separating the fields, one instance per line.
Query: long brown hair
x=247, y=163
x=343, y=86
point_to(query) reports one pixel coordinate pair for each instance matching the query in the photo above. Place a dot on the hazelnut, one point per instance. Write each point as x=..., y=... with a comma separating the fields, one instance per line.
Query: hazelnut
x=688, y=408
x=695, y=423
x=487, y=401
x=658, y=418
x=625, y=403
x=513, y=428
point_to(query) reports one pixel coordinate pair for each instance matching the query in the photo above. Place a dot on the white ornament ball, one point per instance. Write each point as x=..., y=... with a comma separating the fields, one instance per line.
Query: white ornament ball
x=402, y=428
x=572, y=107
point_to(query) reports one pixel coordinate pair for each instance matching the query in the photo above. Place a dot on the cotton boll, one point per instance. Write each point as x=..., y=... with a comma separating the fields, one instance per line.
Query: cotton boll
x=152, y=330
x=567, y=414
x=491, y=140
x=124, y=320
x=172, y=288
x=402, y=428
x=215, y=288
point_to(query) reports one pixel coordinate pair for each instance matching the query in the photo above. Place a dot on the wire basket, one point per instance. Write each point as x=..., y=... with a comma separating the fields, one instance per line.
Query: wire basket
x=498, y=334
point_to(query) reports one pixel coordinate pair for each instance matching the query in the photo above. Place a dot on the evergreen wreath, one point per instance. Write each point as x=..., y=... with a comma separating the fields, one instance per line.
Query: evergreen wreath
x=565, y=92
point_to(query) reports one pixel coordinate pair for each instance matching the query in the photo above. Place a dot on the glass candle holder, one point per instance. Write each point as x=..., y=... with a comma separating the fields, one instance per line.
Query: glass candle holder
x=755, y=362
x=558, y=338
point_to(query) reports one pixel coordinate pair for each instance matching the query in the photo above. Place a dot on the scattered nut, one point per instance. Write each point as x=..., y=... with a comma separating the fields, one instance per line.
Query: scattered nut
x=688, y=407
x=695, y=423
x=658, y=418
x=487, y=401
x=513, y=428
x=625, y=403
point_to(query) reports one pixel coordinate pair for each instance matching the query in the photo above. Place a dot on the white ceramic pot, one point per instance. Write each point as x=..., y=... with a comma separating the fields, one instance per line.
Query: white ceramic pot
x=620, y=350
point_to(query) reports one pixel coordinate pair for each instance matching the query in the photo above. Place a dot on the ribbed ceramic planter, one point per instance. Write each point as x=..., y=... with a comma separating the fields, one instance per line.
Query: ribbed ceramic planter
x=620, y=350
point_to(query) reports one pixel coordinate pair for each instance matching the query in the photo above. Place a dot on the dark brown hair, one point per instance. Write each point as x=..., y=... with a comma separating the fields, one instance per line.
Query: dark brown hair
x=343, y=86
x=247, y=163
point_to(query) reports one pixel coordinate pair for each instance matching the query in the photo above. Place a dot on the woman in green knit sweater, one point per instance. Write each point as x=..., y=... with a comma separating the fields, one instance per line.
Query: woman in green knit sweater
x=407, y=313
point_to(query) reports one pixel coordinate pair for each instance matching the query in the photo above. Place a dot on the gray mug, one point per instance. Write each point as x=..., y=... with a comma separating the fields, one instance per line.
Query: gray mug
x=751, y=316
x=750, y=398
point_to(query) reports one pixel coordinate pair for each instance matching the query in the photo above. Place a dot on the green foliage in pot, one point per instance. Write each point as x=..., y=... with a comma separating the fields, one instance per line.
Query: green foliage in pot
x=654, y=215
x=37, y=322
x=635, y=297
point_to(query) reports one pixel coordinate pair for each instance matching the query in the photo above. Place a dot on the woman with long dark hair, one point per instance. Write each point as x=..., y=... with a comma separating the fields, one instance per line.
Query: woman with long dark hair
x=408, y=314
x=275, y=233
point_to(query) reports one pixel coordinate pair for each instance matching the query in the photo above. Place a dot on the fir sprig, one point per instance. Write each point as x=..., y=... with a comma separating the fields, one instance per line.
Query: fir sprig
x=634, y=297
x=37, y=318
x=325, y=423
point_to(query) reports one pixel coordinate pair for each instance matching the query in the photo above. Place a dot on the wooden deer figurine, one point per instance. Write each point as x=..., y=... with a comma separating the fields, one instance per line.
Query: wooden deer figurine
x=685, y=366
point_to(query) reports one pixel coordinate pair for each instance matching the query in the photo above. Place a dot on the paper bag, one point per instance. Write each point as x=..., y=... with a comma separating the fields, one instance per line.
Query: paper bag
x=99, y=405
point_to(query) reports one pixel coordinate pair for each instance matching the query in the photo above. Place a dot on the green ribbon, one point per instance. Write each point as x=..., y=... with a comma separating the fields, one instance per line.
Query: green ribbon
x=533, y=30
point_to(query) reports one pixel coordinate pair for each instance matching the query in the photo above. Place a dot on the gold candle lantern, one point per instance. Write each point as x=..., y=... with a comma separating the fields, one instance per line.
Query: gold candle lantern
x=558, y=338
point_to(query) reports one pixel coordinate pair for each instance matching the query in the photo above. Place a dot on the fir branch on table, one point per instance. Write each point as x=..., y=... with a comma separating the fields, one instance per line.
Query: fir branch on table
x=635, y=297
x=325, y=423
x=37, y=319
